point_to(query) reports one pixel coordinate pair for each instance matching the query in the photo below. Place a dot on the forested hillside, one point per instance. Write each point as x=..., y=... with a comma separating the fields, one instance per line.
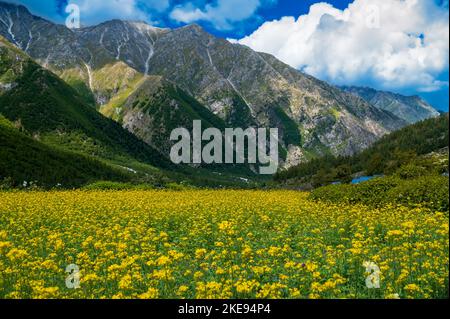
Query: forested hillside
x=24, y=162
x=384, y=158
x=49, y=109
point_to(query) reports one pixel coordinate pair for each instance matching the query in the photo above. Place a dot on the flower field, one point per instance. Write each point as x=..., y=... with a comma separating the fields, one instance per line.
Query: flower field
x=216, y=244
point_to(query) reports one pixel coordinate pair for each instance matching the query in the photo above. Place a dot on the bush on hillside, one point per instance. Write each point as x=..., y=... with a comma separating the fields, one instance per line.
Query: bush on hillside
x=108, y=186
x=428, y=191
x=425, y=191
x=411, y=171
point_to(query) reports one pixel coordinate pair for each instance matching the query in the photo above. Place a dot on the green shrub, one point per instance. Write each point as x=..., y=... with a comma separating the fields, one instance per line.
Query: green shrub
x=333, y=193
x=385, y=157
x=178, y=187
x=430, y=191
x=105, y=185
x=368, y=193
x=411, y=171
x=426, y=191
x=6, y=183
x=372, y=192
x=343, y=174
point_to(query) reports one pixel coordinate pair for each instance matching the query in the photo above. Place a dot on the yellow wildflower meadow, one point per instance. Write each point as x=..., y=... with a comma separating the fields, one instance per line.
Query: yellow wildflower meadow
x=216, y=244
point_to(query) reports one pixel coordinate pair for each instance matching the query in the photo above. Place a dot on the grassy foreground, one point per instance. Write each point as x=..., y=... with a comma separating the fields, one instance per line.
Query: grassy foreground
x=216, y=244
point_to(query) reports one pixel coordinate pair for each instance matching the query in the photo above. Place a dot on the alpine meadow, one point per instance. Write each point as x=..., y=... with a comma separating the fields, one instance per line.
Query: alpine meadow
x=222, y=150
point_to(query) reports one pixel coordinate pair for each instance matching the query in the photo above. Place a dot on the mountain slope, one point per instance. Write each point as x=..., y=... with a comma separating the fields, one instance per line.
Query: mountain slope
x=43, y=105
x=242, y=87
x=409, y=108
x=157, y=107
x=65, y=52
x=131, y=42
x=245, y=87
x=22, y=159
x=383, y=157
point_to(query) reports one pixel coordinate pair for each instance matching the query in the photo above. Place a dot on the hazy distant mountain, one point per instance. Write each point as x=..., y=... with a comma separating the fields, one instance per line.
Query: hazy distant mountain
x=409, y=108
x=107, y=63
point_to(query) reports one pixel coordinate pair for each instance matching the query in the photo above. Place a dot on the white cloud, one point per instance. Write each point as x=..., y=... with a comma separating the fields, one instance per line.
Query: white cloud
x=96, y=11
x=157, y=5
x=394, y=43
x=221, y=15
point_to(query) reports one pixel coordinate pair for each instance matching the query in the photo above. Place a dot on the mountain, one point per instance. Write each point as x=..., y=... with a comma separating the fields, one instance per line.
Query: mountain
x=245, y=88
x=44, y=106
x=412, y=109
x=107, y=63
x=23, y=159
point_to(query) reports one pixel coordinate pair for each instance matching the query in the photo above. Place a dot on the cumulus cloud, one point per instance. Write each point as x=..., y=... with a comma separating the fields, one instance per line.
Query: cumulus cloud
x=96, y=11
x=222, y=14
x=393, y=43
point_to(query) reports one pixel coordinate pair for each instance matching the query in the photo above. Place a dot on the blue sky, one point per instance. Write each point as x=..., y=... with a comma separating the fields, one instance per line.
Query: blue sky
x=406, y=51
x=160, y=14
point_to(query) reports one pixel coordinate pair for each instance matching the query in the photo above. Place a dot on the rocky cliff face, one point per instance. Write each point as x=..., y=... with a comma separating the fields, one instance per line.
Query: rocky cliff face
x=412, y=109
x=108, y=63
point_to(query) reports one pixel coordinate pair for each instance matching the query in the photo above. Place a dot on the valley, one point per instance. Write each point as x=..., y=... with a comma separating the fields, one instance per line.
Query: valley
x=141, y=162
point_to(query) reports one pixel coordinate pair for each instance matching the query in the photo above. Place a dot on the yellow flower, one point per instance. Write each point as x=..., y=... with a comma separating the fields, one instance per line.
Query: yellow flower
x=225, y=244
x=246, y=286
x=163, y=261
x=17, y=254
x=198, y=275
x=200, y=253
x=271, y=291
x=4, y=245
x=90, y=277
x=220, y=271
x=227, y=227
x=152, y=293
x=289, y=265
x=393, y=233
x=247, y=252
x=3, y=235
x=412, y=288
x=125, y=282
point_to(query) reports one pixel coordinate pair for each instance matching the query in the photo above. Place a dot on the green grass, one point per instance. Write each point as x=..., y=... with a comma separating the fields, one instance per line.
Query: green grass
x=427, y=191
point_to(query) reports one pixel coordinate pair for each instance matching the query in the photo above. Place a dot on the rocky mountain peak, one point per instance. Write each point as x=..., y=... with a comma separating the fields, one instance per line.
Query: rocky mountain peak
x=194, y=27
x=14, y=6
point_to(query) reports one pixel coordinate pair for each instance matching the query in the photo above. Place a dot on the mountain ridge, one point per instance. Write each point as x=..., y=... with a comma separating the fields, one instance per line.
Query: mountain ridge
x=242, y=87
x=409, y=108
